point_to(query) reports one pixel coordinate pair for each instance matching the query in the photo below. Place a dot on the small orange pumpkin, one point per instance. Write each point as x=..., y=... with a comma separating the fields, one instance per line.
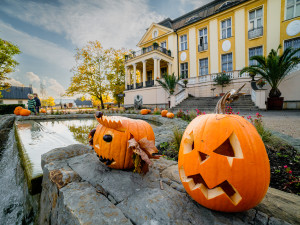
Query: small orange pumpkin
x=17, y=110
x=43, y=111
x=223, y=164
x=164, y=113
x=25, y=112
x=144, y=111
x=170, y=115
x=110, y=139
x=149, y=111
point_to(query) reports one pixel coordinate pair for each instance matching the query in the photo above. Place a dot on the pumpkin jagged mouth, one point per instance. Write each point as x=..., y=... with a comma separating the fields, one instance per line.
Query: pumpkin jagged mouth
x=197, y=182
x=106, y=161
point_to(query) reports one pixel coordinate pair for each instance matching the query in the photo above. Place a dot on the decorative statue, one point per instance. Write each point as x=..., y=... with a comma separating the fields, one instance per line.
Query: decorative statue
x=123, y=143
x=138, y=101
x=223, y=163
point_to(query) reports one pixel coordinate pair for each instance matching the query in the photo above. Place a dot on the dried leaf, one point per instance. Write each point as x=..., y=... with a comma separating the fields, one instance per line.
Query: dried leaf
x=148, y=146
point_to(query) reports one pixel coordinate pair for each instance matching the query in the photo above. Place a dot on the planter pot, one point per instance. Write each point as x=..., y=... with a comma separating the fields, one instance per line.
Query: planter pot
x=275, y=103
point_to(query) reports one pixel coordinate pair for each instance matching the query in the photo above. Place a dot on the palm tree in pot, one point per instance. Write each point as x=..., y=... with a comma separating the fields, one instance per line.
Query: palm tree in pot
x=168, y=83
x=274, y=68
x=222, y=79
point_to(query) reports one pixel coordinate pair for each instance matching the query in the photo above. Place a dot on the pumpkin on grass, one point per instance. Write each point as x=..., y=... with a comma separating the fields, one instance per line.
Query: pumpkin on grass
x=170, y=115
x=164, y=113
x=25, y=112
x=223, y=163
x=144, y=111
x=123, y=143
x=17, y=110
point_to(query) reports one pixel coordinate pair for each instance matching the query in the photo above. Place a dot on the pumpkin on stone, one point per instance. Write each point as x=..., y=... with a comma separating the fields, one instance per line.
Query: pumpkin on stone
x=170, y=115
x=164, y=113
x=223, y=163
x=123, y=143
x=17, y=110
x=144, y=111
x=25, y=112
x=43, y=111
x=149, y=111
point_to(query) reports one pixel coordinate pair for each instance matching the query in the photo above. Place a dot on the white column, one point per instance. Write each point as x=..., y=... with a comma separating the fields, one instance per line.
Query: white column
x=240, y=60
x=158, y=68
x=213, y=46
x=193, y=52
x=134, y=75
x=169, y=68
x=144, y=73
x=155, y=70
x=273, y=26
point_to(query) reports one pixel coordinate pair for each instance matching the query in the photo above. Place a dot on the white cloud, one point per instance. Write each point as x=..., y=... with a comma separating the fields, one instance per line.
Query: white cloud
x=53, y=86
x=39, y=48
x=14, y=82
x=33, y=78
x=115, y=23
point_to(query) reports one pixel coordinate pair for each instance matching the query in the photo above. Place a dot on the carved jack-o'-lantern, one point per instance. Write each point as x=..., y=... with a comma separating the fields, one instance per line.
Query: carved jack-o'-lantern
x=111, y=141
x=223, y=164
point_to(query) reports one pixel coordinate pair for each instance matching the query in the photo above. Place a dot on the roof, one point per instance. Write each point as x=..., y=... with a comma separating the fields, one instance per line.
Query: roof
x=85, y=102
x=201, y=13
x=15, y=92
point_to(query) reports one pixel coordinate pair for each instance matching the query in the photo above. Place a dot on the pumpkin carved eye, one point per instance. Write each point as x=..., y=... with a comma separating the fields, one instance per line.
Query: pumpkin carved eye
x=107, y=138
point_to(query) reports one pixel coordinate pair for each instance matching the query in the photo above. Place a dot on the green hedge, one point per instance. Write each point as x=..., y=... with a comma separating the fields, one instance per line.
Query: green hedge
x=9, y=109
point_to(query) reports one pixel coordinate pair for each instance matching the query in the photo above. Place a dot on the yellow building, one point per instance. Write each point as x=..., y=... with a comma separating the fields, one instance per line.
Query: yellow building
x=219, y=36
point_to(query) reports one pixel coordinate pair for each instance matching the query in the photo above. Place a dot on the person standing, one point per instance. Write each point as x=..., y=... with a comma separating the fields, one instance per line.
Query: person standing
x=38, y=103
x=31, y=103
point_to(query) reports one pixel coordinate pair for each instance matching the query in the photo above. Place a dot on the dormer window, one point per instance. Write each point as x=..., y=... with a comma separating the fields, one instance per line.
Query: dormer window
x=155, y=34
x=225, y=4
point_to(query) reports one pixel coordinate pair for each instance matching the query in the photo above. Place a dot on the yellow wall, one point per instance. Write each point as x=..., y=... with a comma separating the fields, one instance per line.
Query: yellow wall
x=258, y=41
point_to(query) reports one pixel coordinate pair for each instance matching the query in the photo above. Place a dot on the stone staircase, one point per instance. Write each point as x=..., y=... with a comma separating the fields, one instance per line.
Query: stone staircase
x=208, y=104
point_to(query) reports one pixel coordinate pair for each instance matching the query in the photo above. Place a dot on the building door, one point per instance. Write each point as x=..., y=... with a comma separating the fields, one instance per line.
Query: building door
x=149, y=75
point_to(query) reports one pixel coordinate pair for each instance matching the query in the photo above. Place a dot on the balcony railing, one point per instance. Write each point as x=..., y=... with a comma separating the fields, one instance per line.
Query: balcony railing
x=129, y=86
x=256, y=32
x=202, y=47
x=149, y=83
x=146, y=50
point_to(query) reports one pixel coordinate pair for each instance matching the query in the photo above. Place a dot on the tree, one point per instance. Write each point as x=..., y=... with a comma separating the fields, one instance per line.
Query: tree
x=7, y=62
x=168, y=83
x=274, y=68
x=48, y=102
x=116, y=76
x=222, y=79
x=90, y=72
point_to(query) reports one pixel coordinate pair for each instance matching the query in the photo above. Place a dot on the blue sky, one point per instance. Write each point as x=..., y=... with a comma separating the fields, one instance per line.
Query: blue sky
x=48, y=32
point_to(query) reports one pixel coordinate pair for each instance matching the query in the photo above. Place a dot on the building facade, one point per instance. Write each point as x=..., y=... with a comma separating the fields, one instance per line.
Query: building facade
x=15, y=95
x=219, y=36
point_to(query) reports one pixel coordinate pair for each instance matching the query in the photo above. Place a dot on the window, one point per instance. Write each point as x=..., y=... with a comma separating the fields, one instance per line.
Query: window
x=203, y=66
x=226, y=28
x=155, y=34
x=255, y=19
x=293, y=43
x=253, y=52
x=163, y=44
x=184, y=70
x=183, y=42
x=20, y=102
x=227, y=62
x=292, y=9
x=203, y=44
x=163, y=71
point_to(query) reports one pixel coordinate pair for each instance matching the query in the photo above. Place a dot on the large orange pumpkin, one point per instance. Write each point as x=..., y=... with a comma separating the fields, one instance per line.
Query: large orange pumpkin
x=170, y=115
x=25, y=112
x=110, y=139
x=144, y=111
x=164, y=113
x=17, y=110
x=223, y=164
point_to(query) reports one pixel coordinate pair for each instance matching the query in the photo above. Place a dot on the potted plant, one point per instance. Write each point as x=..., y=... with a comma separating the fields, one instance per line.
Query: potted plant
x=155, y=45
x=274, y=68
x=133, y=53
x=169, y=52
x=185, y=82
x=169, y=83
x=222, y=79
x=261, y=83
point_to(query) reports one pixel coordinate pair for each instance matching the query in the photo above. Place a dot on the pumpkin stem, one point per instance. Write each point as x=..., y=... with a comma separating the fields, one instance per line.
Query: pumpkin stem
x=228, y=98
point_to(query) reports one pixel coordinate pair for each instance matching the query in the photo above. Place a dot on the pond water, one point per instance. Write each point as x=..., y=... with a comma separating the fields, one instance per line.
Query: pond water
x=40, y=136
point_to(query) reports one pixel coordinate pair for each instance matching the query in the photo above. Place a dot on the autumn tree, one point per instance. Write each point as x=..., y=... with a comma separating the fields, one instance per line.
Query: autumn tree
x=116, y=75
x=90, y=72
x=7, y=62
x=48, y=102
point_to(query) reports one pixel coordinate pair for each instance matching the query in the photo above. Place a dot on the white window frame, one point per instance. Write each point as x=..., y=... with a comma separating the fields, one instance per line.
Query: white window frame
x=292, y=39
x=221, y=29
x=203, y=67
x=153, y=33
x=255, y=63
x=227, y=62
x=294, y=13
x=183, y=42
x=185, y=69
x=255, y=19
x=165, y=43
x=203, y=36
